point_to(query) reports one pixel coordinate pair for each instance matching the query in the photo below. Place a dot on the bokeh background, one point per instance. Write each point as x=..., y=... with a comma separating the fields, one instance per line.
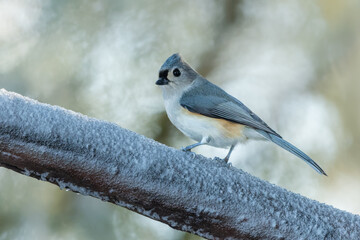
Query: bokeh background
x=295, y=63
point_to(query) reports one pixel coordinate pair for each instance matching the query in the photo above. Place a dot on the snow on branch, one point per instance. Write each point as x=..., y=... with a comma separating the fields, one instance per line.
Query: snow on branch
x=193, y=194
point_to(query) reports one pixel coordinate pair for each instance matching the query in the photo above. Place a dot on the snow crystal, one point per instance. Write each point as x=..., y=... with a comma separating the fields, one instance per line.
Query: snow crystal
x=26, y=172
x=43, y=176
x=61, y=184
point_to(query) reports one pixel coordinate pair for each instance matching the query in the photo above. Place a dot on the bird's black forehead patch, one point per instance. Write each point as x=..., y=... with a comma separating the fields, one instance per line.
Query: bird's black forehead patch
x=163, y=73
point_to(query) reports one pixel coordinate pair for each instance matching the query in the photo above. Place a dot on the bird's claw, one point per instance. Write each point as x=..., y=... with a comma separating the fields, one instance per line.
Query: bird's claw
x=185, y=149
x=223, y=161
x=229, y=164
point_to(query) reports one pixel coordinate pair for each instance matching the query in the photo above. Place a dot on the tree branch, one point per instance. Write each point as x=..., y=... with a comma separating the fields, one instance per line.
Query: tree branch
x=197, y=195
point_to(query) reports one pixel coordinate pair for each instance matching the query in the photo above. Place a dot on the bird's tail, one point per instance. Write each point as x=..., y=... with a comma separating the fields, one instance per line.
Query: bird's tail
x=294, y=150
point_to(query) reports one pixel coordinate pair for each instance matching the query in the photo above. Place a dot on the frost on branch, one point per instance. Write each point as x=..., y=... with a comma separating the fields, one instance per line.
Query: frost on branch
x=197, y=195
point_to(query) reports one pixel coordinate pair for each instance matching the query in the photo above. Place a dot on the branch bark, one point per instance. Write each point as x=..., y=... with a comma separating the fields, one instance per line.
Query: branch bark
x=192, y=194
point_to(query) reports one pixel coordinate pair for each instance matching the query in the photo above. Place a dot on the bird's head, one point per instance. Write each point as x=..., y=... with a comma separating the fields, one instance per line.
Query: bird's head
x=176, y=73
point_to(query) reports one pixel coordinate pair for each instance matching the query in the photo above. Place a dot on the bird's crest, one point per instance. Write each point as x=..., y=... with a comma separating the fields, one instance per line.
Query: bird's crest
x=173, y=60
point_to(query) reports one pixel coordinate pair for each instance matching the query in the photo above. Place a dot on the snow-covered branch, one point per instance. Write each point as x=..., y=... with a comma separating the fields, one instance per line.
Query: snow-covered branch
x=193, y=194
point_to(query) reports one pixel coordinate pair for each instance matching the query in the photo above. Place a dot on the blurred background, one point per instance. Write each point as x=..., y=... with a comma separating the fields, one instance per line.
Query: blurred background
x=295, y=63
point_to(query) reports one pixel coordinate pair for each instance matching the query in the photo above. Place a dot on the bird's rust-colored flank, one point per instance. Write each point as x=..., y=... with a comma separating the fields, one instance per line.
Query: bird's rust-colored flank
x=231, y=129
x=226, y=128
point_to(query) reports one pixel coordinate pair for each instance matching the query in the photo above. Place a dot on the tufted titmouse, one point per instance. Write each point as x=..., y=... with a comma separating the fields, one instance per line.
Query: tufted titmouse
x=209, y=115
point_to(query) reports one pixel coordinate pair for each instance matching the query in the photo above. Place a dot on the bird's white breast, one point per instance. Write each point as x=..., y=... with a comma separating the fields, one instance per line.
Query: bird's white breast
x=222, y=133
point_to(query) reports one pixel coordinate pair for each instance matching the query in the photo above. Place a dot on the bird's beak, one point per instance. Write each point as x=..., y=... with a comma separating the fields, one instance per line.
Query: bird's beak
x=162, y=81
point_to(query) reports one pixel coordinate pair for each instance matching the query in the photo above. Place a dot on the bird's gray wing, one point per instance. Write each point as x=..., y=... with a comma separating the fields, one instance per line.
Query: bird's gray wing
x=207, y=99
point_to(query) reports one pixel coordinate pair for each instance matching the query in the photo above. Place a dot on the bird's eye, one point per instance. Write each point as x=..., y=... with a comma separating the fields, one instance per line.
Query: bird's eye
x=176, y=72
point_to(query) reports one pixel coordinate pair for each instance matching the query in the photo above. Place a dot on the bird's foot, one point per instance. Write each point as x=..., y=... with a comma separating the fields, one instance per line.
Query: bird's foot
x=186, y=149
x=223, y=161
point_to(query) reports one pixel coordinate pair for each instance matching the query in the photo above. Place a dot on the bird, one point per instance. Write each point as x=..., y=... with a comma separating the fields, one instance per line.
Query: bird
x=207, y=114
